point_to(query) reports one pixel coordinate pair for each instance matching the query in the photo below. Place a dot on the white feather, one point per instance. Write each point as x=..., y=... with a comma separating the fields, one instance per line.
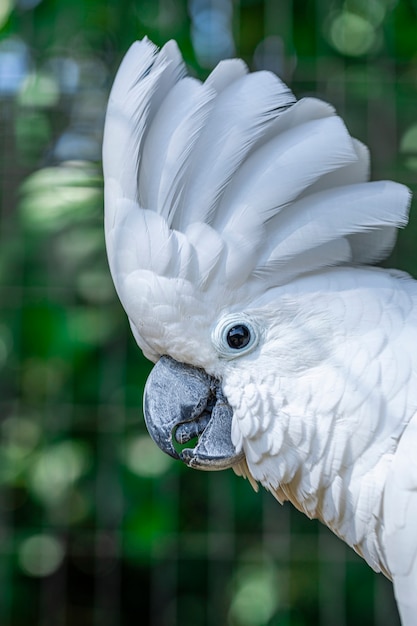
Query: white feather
x=333, y=252
x=127, y=110
x=299, y=156
x=240, y=116
x=332, y=214
x=142, y=82
x=169, y=145
x=225, y=73
x=400, y=511
x=211, y=248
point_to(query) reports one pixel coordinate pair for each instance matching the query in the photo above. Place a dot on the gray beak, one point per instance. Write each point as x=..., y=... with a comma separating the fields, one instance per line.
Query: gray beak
x=182, y=402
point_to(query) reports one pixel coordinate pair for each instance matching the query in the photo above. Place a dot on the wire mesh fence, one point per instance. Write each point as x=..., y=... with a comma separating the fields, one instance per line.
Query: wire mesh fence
x=97, y=526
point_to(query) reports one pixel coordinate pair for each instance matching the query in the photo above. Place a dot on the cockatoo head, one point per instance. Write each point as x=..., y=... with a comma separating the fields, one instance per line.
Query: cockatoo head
x=223, y=199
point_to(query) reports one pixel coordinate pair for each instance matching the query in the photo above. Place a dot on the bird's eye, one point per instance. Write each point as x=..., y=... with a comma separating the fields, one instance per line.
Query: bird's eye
x=234, y=335
x=238, y=336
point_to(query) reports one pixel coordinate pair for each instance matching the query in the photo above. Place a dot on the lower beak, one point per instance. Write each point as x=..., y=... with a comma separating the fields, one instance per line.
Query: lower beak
x=182, y=402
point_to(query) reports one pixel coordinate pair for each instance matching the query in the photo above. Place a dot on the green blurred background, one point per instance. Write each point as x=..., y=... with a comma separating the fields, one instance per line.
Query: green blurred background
x=97, y=526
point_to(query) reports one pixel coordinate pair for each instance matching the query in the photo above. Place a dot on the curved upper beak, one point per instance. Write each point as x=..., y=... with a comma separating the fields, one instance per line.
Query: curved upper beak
x=182, y=402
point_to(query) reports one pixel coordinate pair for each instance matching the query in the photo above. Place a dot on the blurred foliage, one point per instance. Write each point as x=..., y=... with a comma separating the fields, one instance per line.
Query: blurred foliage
x=97, y=526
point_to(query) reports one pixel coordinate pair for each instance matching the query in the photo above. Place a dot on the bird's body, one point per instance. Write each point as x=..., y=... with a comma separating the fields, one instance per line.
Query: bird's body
x=336, y=378
x=240, y=227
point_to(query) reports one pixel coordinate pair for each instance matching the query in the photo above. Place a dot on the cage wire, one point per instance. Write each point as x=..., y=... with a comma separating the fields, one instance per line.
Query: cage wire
x=97, y=526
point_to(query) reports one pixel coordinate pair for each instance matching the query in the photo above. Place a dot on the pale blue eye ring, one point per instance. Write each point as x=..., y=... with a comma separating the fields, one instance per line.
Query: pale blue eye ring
x=234, y=335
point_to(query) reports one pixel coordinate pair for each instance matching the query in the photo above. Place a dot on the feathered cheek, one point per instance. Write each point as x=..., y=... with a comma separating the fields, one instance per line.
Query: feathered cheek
x=246, y=403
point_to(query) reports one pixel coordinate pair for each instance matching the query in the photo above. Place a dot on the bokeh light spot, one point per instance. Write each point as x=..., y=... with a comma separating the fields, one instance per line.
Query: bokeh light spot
x=142, y=457
x=57, y=468
x=14, y=65
x=40, y=555
x=256, y=596
x=39, y=90
x=408, y=147
x=6, y=7
x=19, y=437
x=20, y=431
x=89, y=326
x=211, y=31
x=54, y=197
x=372, y=10
x=352, y=34
x=409, y=140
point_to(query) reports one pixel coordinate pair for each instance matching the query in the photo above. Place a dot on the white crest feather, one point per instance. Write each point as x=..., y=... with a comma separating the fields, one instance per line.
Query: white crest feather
x=231, y=185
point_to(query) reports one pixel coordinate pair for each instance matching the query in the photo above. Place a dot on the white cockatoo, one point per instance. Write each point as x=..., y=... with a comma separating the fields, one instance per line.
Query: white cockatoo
x=241, y=229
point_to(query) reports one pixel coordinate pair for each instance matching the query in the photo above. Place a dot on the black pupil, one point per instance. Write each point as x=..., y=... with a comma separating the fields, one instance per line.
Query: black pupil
x=238, y=336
